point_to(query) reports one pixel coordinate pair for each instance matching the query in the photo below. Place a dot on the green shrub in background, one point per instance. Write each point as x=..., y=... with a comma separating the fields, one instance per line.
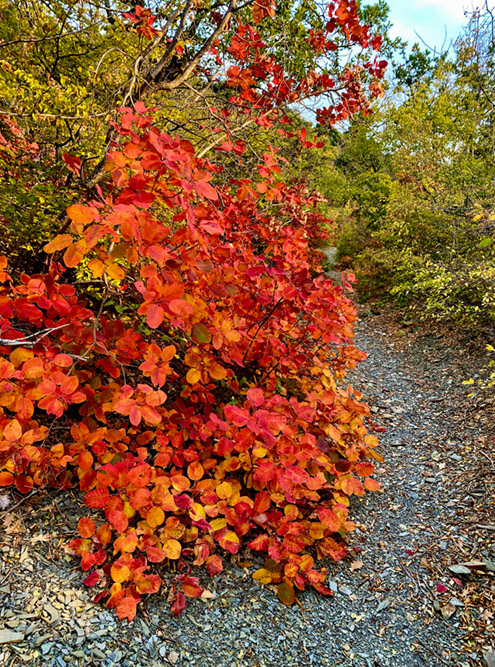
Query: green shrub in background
x=416, y=184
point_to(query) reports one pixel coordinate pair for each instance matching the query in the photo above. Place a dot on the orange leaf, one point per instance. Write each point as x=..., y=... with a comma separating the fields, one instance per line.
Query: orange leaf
x=350, y=485
x=329, y=519
x=97, y=498
x=127, y=542
x=195, y=470
x=155, y=315
x=180, y=307
x=155, y=555
x=224, y=490
x=365, y=469
x=75, y=253
x=104, y=533
x=155, y=517
x=13, y=431
x=191, y=587
x=118, y=520
x=120, y=572
x=69, y=385
x=63, y=360
x=85, y=460
x=217, y=372
x=60, y=242
x=371, y=484
x=6, y=478
x=214, y=565
x=86, y=527
x=81, y=215
x=127, y=608
x=97, y=268
x=115, y=271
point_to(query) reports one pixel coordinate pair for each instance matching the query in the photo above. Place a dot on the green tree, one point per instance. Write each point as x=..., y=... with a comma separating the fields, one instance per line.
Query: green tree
x=420, y=182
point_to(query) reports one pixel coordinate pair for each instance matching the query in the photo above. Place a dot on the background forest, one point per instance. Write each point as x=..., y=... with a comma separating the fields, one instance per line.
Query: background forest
x=413, y=184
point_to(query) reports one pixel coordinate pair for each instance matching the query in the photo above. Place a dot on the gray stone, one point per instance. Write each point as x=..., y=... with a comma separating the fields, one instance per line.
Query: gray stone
x=459, y=569
x=10, y=637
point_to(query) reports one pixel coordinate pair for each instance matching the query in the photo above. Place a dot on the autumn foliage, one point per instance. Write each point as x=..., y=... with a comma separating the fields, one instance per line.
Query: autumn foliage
x=181, y=361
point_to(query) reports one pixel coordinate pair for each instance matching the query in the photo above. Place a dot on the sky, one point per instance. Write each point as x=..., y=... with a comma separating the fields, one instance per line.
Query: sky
x=436, y=21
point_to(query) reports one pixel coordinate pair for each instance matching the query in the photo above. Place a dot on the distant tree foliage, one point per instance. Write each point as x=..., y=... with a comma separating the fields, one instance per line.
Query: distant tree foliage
x=415, y=182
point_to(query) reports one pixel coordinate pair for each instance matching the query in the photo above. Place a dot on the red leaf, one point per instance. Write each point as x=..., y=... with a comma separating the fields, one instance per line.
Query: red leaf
x=206, y=190
x=91, y=579
x=191, y=587
x=259, y=543
x=214, y=565
x=97, y=498
x=179, y=604
x=237, y=416
x=255, y=397
x=118, y=520
x=154, y=316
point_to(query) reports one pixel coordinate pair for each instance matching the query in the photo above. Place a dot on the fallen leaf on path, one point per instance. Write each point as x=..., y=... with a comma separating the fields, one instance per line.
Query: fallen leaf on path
x=447, y=611
x=207, y=595
x=4, y=502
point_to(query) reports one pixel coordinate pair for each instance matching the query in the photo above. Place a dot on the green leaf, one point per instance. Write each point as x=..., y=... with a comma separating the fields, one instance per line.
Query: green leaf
x=485, y=242
x=286, y=593
x=201, y=333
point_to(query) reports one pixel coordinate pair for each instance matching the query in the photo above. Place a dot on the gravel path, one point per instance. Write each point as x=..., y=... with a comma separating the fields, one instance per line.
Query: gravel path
x=386, y=611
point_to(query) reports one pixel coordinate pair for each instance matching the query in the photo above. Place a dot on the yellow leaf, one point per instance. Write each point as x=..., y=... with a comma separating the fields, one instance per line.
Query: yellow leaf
x=260, y=452
x=19, y=355
x=263, y=576
x=217, y=524
x=193, y=375
x=172, y=549
x=224, y=490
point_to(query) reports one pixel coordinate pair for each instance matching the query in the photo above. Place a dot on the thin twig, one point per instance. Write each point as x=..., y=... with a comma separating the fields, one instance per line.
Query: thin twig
x=33, y=492
x=430, y=650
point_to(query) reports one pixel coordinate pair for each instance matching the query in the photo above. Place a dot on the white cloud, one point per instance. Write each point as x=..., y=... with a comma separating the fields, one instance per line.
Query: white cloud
x=406, y=32
x=451, y=9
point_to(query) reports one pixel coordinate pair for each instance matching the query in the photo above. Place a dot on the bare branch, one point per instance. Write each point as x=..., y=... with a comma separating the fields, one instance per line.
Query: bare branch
x=32, y=339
